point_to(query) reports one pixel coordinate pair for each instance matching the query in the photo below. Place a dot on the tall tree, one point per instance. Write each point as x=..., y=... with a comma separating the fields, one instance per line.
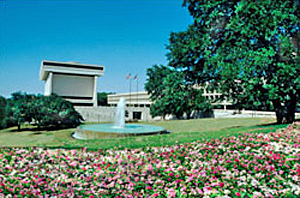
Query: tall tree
x=154, y=85
x=172, y=94
x=247, y=49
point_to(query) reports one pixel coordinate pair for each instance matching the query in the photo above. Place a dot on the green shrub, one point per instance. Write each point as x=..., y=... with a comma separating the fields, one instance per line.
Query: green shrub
x=42, y=111
x=16, y=109
x=55, y=111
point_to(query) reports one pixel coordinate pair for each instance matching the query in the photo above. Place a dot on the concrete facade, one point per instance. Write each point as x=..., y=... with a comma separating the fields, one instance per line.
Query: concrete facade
x=137, y=104
x=106, y=114
x=134, y=99
x=73, y=81
x=142, y=99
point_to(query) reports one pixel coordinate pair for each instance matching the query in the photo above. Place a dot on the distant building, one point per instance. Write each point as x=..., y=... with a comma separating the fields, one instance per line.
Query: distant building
x=73, y=81
x=214, y=97
x=137, y=104
x=142, y=99
x=134, y=99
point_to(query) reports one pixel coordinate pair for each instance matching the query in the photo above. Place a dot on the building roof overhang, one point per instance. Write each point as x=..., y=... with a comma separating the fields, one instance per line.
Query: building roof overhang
x=69, y=68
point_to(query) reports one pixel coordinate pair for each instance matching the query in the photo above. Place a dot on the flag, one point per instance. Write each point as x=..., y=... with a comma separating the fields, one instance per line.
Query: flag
x=128, y=76
x=135, y=77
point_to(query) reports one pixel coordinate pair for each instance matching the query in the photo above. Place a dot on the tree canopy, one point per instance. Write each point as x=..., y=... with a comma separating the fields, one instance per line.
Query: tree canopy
x=248, y=50
x=43, y=111
x=102, y=98
x=173, y=95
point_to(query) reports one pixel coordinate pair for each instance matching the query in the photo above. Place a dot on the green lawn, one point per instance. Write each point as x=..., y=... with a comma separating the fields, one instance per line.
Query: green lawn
x=182, y=131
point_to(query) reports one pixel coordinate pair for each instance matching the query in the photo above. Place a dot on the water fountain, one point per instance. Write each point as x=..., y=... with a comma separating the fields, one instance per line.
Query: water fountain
x=118, y=129
x=119, y=121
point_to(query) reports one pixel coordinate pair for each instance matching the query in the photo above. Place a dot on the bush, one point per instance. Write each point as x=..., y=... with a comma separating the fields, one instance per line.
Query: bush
x=16, y=109
x=2, y=111
x=42, y=111
x=55, y=111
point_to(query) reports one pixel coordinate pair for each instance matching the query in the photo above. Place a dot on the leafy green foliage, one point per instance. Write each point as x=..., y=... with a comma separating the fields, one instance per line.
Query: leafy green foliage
x=54, y=111
x=154, y=85
x=16, y=109
x=172, y=95
x=2, y=111
x=43, y=111
x=102, y=98
x=249, y=50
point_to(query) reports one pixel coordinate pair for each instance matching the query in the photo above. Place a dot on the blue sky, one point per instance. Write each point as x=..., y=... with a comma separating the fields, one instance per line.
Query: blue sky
x=124, y=36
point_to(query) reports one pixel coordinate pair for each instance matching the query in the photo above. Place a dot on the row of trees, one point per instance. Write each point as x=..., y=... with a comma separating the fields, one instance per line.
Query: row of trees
x=39, y=110
x=248, y=50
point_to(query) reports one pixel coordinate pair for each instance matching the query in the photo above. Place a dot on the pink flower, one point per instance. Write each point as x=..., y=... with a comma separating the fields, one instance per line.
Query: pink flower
x=150, y=167
x=207, y=189
x=238, y=194
x=281, y=172
x=148, y=187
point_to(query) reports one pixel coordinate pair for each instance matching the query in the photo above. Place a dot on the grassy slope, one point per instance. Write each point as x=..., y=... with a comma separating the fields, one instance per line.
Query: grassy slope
x=182, y=131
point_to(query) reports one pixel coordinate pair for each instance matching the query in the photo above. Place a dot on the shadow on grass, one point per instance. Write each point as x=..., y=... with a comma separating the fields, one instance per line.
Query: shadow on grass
x=272, y=124
x=39, y=130
x=37, y=133
x=262, y=126
x=278, y=124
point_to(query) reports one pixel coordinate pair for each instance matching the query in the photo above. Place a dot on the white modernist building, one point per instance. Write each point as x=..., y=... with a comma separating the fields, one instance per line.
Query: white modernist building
x=134, y=99
x=137, y=104
x=73, y=81
x=142, y=99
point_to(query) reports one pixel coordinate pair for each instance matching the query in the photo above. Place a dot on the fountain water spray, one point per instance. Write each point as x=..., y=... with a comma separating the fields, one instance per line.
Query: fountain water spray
x=118, y=129
x=119, y=119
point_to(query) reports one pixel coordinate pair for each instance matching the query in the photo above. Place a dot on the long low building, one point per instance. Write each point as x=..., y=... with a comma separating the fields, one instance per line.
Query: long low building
x=133, y=99
x=142, y=99
x=138, y=103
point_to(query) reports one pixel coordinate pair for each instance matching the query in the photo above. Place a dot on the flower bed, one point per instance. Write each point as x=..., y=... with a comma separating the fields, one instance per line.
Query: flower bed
x=252, y=165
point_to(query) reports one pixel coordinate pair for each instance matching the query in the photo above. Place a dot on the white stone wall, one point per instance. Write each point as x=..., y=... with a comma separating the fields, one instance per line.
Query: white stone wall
x=106, y=114
x=48, y=85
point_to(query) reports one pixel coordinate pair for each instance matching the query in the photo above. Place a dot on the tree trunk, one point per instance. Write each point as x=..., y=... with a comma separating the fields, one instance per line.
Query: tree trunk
x=19, y=127
x=285, y=113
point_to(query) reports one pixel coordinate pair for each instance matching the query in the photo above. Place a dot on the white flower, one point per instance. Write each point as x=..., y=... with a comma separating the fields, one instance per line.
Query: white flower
x=226, y=192
x=254, y=182
x=243, y=178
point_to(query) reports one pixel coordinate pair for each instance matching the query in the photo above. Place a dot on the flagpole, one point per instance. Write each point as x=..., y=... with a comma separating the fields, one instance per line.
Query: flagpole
x=130, y=93
x=128, y=77
x=137, y=91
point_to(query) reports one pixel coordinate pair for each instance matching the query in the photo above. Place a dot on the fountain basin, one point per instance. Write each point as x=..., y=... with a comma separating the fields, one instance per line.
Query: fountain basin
x=105, y=131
